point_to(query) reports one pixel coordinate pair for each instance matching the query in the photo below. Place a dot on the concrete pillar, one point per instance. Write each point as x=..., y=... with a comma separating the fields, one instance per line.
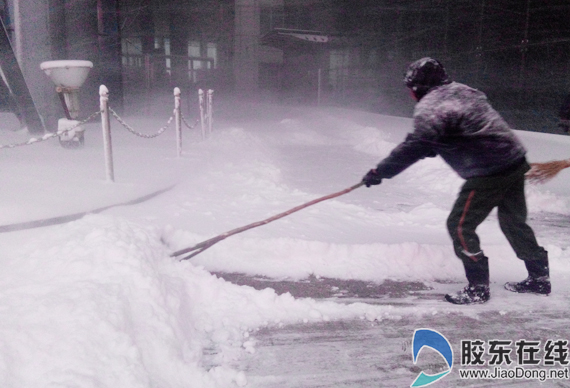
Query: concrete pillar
x=81, y=40
x=56, y=26
x=179, y=25
x=31, y=46
x=246, y=46
x=109, y=42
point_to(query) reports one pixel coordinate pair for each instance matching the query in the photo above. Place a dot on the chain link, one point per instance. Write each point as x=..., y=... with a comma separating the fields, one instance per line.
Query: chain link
x=188, y=125
x=134, y=132
x=50, y=135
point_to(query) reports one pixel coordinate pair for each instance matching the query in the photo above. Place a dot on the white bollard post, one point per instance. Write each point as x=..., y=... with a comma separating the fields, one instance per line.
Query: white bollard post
x=106, y=126
x=319, y=85
x=202, y=119
x=177, y=119
x=209, y=110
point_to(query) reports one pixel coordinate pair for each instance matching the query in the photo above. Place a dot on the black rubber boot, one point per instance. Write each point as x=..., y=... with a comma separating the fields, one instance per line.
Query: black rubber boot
x=538, y=280
x=537, y=268
x=477, y=271
x=472, y=294
x=531, y=285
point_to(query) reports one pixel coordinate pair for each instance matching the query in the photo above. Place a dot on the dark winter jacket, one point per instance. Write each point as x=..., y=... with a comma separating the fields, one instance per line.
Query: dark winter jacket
x=457, y=123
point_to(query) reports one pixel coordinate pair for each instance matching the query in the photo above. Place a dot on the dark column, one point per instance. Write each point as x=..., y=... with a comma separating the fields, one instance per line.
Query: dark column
x=179, y=48
x=246, y=46
x=31, y=46
x=58, y=47
x=82, y=44
x=17, y=93
x=152, y=58
x=109, y=43
x=56, y=28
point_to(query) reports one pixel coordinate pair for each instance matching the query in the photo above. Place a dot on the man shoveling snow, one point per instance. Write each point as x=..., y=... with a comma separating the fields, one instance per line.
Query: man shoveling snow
x=457, y=122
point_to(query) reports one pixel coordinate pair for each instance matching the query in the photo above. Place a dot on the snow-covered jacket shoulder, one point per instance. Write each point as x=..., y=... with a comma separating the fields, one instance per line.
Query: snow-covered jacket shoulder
x=457, y=122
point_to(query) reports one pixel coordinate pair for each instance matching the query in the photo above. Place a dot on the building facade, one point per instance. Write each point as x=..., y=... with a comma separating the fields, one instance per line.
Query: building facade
x=350, y=52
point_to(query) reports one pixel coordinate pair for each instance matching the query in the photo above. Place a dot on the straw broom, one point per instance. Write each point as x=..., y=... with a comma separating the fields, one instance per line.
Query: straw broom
x=543, y=172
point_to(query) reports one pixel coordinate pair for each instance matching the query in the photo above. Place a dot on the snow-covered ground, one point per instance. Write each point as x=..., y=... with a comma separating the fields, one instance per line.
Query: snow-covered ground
x=98, y=301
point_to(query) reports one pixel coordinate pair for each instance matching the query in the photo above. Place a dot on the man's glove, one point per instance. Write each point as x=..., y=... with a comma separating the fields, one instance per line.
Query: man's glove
x=372, y=178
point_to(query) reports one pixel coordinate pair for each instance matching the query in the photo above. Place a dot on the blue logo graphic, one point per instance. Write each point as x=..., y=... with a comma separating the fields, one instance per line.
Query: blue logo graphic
x=436, y=341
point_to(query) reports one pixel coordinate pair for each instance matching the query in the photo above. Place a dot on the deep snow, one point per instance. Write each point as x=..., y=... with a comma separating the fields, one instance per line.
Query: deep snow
x=98, y=302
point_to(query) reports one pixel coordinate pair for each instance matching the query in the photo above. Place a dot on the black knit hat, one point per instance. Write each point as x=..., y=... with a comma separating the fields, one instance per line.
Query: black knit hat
x=424, y=74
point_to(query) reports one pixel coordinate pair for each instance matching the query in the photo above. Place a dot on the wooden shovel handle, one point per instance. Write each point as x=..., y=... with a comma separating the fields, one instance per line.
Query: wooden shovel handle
x=200, y=247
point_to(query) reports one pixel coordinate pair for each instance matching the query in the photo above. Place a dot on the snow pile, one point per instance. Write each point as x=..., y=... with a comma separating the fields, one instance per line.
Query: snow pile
x=540, y=200
x=104, y=297
x=99, y=302
x=92, y=305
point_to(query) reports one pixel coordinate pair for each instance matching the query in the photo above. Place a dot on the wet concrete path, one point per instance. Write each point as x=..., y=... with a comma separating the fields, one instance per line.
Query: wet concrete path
x=362, y=353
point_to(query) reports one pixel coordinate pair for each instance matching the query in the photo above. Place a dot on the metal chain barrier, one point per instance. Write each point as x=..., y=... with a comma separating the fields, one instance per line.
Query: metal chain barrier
x=186, y=122
x=48, y=136
x=205, y=118
x=51, y=135
x=139, y=134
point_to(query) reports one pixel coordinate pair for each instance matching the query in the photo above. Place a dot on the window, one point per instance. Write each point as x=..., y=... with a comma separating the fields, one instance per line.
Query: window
x=131, y=48
x=202, y=56
x=167, y=54
x=212, y=53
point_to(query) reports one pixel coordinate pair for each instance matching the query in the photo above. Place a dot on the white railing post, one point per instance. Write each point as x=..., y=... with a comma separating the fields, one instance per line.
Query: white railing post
x=319, y=86
x=210, y=110
x=106, y=126
x=202, y=119
x=178, y=121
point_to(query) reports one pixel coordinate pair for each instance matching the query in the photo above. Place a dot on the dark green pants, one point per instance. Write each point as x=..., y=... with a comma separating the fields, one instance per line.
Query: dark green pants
x=477, y=198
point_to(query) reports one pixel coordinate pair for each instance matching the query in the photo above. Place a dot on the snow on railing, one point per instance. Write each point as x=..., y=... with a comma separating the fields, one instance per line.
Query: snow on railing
x=206, y=111
x=60, y=133
x=106, y=112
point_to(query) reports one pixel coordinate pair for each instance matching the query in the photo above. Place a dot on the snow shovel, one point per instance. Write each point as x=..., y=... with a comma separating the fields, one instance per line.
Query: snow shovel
x=200, y=247
x=543, y=172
